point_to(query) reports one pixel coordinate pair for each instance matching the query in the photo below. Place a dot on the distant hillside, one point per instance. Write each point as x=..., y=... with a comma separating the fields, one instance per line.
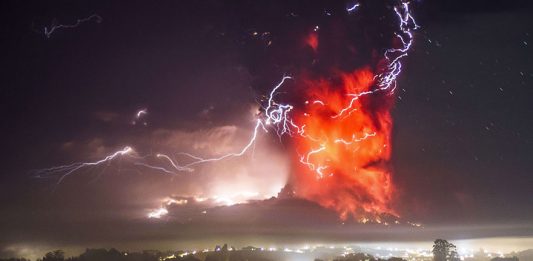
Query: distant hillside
x=526, y=255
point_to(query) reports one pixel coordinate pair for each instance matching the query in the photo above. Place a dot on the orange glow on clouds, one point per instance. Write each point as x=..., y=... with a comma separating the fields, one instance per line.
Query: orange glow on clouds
x=312, y=40
x=345, y=146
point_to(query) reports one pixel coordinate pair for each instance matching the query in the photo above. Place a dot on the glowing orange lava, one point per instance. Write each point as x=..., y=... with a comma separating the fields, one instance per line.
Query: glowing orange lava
x=345, y=146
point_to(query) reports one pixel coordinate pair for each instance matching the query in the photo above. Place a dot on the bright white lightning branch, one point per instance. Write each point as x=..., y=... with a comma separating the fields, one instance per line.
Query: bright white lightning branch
x=278, y=114
x=353, y=8
x=305, y=159
x=354, y=139
x=140, y=113
x=386, y=81
x=275, y=115
x=67, y=170
x=48, y=31
x=199, y=160
x=407, y=25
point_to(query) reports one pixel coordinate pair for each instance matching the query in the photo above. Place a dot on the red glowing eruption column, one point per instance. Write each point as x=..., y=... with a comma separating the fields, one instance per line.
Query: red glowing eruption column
x=344, y=151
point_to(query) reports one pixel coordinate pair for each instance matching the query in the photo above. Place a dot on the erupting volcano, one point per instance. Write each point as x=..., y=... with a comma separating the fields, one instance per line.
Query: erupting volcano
x=336, y=112
x=345, y=146
x=344, y=125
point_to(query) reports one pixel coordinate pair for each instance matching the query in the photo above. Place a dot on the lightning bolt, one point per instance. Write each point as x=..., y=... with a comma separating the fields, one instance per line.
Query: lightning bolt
x=139, y=117
x=353, y=7
x=48, y=31
x=140, y=113
x=274, y=115
x=66, y=170
x=387, y=79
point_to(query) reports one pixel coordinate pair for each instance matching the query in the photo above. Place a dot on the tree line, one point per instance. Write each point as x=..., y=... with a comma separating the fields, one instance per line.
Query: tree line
x=442, y=251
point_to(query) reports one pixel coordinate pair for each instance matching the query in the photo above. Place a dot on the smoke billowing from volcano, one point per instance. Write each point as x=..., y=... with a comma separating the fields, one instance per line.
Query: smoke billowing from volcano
x=344, y=156
x=345, y=70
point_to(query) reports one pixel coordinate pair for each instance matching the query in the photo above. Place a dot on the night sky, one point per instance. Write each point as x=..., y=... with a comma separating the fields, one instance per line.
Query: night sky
x=462, y=139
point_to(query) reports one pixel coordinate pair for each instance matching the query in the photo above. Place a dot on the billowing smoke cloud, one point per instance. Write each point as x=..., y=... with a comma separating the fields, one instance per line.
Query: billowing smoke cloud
x=345, y=71
x=258, y=174
x=344, y=153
